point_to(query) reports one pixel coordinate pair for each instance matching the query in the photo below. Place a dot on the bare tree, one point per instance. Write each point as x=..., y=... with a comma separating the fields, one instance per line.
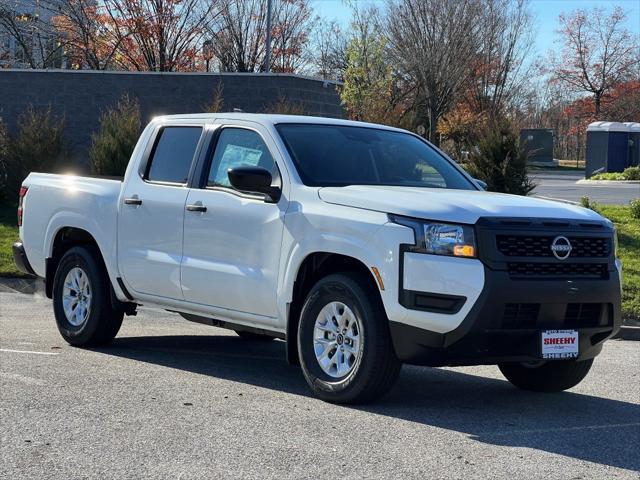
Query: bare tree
x=434, y=43
x=500, y=70
x=239, y=32
x=292, y=23
x=158, y=35
x=238, y=35
x=88, y=40
x=330, y=50
x=597, y=52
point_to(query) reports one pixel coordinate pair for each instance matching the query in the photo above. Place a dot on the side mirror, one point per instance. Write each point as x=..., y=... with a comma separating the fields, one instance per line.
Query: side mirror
x=254, y=180
x=480, y=183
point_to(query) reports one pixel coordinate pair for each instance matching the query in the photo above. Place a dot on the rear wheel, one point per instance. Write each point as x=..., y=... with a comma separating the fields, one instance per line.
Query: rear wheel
x=344, y=342
x=82, y=299
x=554, y=376
x=254, y=337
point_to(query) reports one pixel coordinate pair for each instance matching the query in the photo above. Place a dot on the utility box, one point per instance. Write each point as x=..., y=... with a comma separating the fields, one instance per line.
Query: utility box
x=607, y=148
x=634, y=143
x=538, y=144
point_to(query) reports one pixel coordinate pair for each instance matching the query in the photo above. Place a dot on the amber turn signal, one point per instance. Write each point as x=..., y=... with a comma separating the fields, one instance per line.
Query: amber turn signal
x=464, y=251
x=376, y=273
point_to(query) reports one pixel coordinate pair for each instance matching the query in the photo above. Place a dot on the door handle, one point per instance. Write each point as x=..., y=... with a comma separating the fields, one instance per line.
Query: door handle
x=133, y=201
x=196, y=208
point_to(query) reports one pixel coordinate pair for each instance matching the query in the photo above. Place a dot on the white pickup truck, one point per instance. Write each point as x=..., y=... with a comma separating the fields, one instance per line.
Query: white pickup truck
x=361, y=246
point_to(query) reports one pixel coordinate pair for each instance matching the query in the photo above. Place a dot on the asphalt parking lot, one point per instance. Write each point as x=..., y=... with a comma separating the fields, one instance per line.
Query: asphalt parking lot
x=563, y=186
x=172, y=399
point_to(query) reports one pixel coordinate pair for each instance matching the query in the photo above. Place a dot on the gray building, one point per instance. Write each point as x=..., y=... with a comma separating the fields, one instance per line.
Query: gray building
x=28, y=38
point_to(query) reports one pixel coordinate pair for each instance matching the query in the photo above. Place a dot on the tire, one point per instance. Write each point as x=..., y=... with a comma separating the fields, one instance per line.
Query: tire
x=554, y=376
x=254, y=337
x=101, y=322
x=366, y=375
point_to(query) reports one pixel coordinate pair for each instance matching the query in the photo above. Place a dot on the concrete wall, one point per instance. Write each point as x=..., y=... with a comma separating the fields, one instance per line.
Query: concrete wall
x=81, y=95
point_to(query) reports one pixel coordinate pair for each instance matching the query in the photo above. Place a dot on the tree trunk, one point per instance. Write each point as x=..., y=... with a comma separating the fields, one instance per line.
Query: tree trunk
x=596, y=101
x=433, y=128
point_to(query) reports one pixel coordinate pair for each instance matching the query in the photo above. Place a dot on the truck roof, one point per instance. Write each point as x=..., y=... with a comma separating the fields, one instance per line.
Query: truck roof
x=274, y=119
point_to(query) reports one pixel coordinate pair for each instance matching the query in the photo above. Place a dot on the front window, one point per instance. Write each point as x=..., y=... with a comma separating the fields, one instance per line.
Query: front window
x=337, y=155
x=238, y=147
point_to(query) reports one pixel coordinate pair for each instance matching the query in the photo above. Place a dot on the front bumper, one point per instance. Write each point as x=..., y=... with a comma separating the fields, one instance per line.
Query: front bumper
x=506, y=321
x=21, y=260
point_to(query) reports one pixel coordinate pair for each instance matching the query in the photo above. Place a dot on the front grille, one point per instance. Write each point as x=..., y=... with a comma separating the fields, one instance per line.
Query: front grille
x=523, y=316
x=583, y=315
x=520, y=315
x=540, y=246
x=557, y=270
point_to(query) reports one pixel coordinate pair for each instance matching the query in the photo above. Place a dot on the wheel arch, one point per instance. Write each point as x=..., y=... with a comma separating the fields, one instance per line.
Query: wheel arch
x=65, y=238
x=312, y=268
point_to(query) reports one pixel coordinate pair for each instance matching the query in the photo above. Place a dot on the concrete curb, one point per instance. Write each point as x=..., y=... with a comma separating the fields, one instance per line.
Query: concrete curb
x=608, y=182
x=556, y=173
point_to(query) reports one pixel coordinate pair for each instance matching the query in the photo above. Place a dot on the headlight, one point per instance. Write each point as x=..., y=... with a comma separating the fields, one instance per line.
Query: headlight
x=611, y=225
x=439, y=238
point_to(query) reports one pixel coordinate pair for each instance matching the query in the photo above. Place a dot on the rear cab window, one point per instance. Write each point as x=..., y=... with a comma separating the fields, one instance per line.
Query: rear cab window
x=172, y=155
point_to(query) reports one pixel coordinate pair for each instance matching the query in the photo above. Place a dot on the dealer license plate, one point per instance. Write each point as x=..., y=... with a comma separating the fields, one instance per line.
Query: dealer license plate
x=559, y=344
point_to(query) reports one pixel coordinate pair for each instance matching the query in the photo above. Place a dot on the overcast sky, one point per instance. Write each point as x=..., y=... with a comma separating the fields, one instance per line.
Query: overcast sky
x=545, y=11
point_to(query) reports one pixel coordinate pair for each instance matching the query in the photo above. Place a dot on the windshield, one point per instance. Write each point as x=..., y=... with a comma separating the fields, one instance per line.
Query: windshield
x=337, y=155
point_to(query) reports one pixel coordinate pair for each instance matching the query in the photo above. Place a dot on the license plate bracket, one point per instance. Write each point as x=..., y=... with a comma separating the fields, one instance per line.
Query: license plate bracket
x=559, y=344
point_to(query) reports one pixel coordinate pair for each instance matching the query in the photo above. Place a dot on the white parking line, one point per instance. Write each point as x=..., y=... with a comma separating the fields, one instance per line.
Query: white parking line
x=28, y=351
x=22, y=378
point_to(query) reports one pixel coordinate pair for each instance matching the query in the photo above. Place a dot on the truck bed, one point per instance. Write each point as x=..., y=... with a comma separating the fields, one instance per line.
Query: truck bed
x=57, y=201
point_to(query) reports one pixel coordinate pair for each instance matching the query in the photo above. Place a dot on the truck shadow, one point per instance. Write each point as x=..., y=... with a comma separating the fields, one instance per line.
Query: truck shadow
x=487, y=410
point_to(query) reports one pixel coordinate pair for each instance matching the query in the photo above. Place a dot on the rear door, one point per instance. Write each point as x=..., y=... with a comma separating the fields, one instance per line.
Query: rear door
x=232, y=243
x=150, y=222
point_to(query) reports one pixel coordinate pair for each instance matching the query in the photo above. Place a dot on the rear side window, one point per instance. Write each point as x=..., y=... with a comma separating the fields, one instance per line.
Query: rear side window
x=173, y=154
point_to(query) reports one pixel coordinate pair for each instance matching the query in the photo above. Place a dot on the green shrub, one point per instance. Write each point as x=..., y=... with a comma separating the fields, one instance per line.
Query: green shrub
x=608, y=176
x=216, y=103
x=498, y=161
x=635, y=208
x=282, y=106
x=39, y=146
x=586, y=203
x=112, y=145
x=631, y=173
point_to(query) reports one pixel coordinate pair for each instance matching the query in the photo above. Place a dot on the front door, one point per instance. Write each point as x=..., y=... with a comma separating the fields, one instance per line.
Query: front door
x=232, y=240
x=150, y=222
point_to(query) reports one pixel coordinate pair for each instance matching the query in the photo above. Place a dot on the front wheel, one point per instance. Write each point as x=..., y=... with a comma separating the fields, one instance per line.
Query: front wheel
x=82, y=301
x=344, y=343
x=554, y=376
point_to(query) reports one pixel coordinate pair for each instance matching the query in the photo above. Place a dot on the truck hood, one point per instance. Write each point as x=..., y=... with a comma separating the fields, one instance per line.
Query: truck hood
x=445, y=205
